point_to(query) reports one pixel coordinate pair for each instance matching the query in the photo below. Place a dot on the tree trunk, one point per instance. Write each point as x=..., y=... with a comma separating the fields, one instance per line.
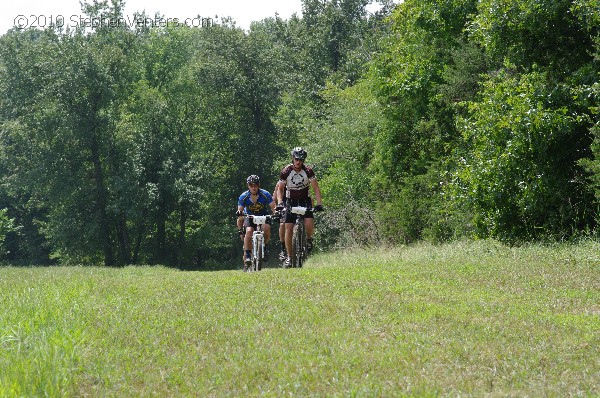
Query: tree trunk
x=181, y=243
x=138, y=239
x=161, y=233
x=123, y=236
x=101, y=201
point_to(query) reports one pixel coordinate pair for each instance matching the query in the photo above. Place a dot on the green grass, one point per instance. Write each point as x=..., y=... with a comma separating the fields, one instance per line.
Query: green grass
x=464, y=319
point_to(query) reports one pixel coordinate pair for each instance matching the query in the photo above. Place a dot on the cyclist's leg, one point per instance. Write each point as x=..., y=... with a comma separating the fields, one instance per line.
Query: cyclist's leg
x=309, y=224
x=266, y=228
x=282, y=240
x=289, y=230
x=289, y=221
x=248, y=238
x=282, y=232
x=249, y=226
x=267, y=232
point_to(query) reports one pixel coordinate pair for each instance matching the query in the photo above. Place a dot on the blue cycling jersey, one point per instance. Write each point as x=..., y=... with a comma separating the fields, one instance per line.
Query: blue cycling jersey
x=260, y=207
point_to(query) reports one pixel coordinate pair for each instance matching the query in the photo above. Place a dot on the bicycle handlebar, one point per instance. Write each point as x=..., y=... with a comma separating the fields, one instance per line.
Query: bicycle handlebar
x=300, y=210
x=259, y=219
x=303, y=210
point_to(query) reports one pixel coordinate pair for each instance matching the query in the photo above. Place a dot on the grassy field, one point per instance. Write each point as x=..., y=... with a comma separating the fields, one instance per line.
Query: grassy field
x=464, y=319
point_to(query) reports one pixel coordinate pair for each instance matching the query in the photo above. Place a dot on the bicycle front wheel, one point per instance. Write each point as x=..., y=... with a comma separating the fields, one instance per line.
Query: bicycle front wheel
x=259, y=255
x=298, y=245
x=257, y=248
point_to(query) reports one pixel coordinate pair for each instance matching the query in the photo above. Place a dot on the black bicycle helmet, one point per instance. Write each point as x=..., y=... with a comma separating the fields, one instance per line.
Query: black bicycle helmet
x=299, y=153
x=253, y=179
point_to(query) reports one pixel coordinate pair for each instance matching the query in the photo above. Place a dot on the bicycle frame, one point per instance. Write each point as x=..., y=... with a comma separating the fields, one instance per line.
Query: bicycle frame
x=299, y=250
x=258, y=241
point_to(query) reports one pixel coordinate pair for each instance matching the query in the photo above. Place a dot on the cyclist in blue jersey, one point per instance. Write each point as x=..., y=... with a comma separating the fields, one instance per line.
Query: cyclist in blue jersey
x=254, y=201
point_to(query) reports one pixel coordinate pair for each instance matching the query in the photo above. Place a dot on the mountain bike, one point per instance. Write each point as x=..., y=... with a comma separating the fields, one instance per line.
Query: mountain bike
x=299, y=248
x=258, y=242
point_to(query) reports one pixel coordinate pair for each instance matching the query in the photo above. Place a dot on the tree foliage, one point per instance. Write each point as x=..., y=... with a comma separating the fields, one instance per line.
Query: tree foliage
x=424, y=120
x=520, y=176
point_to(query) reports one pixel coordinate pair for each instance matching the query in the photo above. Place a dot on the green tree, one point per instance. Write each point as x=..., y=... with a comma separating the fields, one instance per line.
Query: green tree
x=418, y=78
x=7, y=225
x=340, y=146
x=154, y=191
x=527, y=33
x=60, y=134
x=333, y=28
x=19, y=88
x=521, y=177
x=588, y=94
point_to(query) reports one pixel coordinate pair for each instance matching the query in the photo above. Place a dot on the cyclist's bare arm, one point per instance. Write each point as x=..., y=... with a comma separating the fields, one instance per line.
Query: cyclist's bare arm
x=315, y=186
x=276, y=193
x=280, y=191
x=240, y=219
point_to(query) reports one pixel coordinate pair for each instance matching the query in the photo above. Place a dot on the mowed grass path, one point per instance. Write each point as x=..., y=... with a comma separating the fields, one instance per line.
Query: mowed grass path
x=465, y=319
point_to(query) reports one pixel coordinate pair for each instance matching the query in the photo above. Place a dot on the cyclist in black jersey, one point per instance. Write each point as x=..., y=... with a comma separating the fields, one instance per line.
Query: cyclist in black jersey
x=295, y=181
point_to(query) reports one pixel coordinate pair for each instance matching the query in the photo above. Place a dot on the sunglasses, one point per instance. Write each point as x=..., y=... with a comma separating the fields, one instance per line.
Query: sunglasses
x=300, y=160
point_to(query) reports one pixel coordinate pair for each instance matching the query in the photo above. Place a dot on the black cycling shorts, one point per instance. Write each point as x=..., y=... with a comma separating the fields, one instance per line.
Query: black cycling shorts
x=290, y=218
x=248, y=222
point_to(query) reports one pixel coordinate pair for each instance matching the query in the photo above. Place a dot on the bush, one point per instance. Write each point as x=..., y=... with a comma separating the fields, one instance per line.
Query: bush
x=521, y=177
x=6, y=226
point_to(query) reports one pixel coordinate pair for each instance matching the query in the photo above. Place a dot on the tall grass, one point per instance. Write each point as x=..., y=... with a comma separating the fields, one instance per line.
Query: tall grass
x=468, y=319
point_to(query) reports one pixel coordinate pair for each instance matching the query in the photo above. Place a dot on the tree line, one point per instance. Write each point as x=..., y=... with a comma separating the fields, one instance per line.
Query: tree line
x=425, y=120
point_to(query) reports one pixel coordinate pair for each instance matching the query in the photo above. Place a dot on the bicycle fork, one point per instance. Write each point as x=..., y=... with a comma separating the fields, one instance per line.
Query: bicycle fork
x=258, y=250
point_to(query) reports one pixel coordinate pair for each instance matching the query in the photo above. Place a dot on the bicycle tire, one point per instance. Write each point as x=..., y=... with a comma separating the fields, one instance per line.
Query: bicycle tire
x=304, y=251
x=259, y=254
x=297, y=245
x=256, y=252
